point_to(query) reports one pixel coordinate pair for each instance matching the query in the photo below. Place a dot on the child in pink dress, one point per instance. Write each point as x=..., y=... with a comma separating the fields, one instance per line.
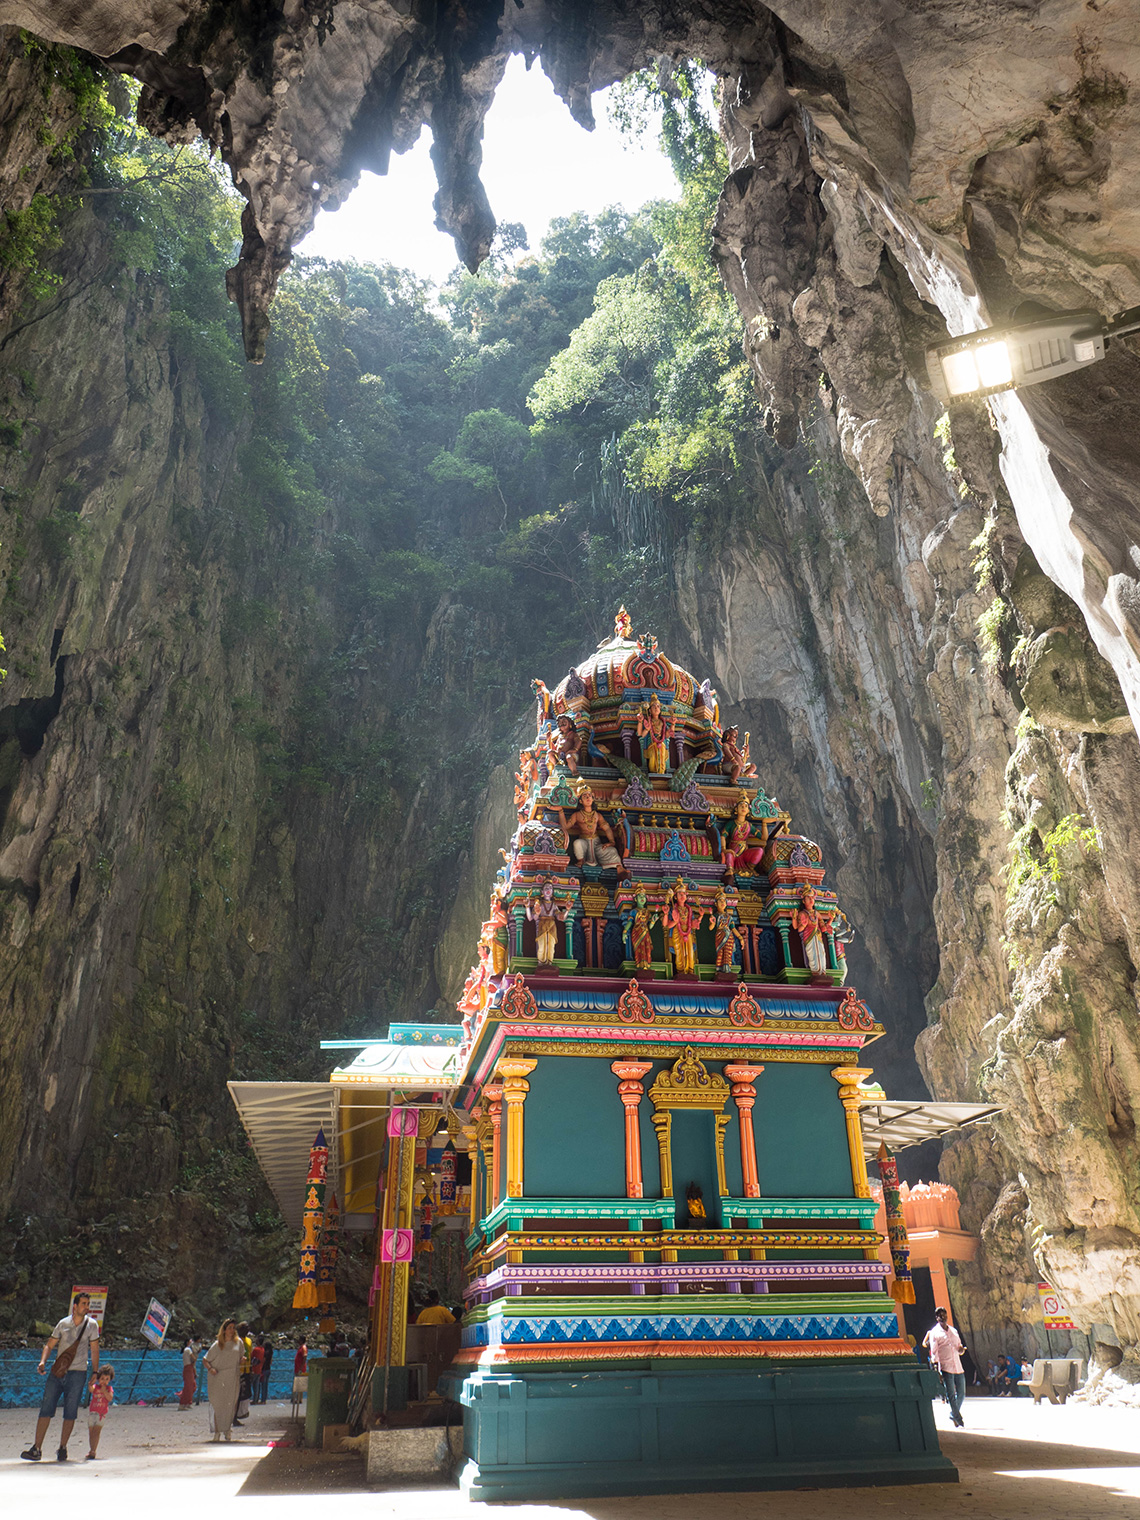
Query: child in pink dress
x=102, y=1397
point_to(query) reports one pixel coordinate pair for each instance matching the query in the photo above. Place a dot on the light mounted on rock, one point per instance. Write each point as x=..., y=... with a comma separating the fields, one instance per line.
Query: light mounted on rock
x=1006, y=358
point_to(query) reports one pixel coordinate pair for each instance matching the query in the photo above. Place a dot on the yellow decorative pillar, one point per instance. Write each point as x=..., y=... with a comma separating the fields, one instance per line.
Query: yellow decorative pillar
x=514, y=1072
x=470, y=1135
x=849, y=1078
x=395, y=1246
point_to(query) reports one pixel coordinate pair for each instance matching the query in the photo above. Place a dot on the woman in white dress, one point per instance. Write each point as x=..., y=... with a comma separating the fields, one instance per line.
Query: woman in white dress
x=222, y=1363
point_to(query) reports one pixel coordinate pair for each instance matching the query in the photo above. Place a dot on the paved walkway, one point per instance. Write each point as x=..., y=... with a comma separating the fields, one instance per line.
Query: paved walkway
x=1015, y=1461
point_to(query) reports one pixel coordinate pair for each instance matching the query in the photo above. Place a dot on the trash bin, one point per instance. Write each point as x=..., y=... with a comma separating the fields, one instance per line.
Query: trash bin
x=330, y=1384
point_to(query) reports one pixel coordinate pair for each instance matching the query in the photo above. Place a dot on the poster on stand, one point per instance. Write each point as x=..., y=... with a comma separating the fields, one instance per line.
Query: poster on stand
x=156, y=1323
x=98, y=1297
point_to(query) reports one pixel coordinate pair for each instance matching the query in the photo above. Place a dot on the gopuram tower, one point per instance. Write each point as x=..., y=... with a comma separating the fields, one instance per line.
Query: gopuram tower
x=674, y=1282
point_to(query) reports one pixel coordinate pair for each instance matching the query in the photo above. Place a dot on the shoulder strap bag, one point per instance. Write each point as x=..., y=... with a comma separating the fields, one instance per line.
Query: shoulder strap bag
x=62, y=1364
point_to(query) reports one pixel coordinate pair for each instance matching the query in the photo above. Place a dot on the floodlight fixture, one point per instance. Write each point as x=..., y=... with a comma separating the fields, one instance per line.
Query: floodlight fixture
x=1005, y=358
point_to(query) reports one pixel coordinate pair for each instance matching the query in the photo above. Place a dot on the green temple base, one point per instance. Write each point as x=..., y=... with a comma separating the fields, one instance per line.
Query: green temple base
x=652, y=1427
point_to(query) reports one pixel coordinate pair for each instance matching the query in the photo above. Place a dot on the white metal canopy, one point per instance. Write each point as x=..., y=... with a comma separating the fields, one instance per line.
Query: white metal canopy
x=281, y=1120
x=900, y=1123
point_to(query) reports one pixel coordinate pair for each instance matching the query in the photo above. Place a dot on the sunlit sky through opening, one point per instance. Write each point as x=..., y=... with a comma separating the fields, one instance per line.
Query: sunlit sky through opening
x=538, y=163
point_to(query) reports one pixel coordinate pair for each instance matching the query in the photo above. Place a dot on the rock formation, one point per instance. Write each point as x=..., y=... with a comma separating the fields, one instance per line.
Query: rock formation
x=938, y=630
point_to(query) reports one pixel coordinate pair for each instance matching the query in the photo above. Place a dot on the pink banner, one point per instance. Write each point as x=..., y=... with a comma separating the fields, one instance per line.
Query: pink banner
x=397, y=1245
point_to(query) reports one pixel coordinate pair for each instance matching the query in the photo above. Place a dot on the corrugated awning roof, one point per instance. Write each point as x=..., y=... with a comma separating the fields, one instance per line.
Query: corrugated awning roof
x=281, y=1120
x=898, y=1124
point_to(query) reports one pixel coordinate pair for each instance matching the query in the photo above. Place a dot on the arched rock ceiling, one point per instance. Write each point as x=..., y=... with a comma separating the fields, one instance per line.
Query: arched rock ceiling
x=895, y=166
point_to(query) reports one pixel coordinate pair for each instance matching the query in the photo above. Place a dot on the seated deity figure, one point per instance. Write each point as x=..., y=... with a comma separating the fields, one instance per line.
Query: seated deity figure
x=568, y=744
x=682, y=920
x=810, y=924
x=546, y=915
x=737, y=849
x=736, y=755
x=725, y=932
x=592, y=840
x=655, y=730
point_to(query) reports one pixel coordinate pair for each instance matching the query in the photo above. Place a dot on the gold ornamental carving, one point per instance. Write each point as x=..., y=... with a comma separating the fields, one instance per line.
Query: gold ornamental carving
x=689, y=1084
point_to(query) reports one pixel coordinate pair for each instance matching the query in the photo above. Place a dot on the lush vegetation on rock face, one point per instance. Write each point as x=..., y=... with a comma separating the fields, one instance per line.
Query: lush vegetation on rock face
x=299, y=607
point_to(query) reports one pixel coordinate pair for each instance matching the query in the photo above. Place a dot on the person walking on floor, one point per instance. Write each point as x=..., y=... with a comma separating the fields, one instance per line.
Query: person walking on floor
x=74, y=1337
x=945, y=1346
x=244, y=1377
x=102, y=1397
x=256, y=1370
x=189, y=1376
x=266, y=1369
x=223, y=1370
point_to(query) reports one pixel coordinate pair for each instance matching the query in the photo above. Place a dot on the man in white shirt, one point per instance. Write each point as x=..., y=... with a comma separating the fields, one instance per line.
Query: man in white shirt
x=81, y=1332
x=945, y=1346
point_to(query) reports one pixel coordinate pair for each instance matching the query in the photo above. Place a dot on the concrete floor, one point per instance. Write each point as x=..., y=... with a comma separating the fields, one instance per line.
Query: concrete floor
x=1015, y=1461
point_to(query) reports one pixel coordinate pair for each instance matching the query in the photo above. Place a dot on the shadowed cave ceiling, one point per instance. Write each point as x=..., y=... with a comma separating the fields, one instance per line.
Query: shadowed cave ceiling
x=896, y=169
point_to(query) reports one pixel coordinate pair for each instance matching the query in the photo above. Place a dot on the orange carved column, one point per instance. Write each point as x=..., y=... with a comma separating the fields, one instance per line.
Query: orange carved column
x=493, y=1096
x=743, y=1076
x=631, y=1092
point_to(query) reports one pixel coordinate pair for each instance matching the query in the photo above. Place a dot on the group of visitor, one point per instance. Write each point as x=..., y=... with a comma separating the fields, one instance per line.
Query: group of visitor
x=1004, y=1376
x=237, y=1375
x=254, y=1373
x=75, y=1341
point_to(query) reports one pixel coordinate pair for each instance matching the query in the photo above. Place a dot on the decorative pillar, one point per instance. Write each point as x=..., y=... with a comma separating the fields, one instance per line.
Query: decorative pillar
x=849, y=1078
x=743, y=1077
x=785, y=947
x=721, y=1122
x=514, y=1072
x=470, y=1136
x=829, y=947
x=631, y=1092
x=493, y=1097
x=663, y=1124
x=396, y=1244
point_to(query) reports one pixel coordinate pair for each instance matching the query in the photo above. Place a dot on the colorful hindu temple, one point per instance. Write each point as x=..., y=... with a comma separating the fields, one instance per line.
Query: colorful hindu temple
x=641, y=1155
x=675, y=1280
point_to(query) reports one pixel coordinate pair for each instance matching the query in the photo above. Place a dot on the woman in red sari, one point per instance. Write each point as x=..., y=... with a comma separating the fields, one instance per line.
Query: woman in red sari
x=189, y=1377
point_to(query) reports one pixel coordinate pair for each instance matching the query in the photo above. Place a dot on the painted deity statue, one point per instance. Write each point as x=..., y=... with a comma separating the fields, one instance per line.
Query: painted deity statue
x=544, y=699
x=736, y=755
x=841, y=936
x=592, y=839
x=623, y=627
x=545, y=914
x=568, y=744
x=639, y=919
x=655, y=730
x=725, y=933
x=495, y=931
x=810, y=924
x=682, y=920
x=737, y=849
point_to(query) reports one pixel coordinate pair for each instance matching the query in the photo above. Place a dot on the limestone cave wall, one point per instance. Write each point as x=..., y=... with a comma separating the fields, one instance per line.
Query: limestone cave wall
x=930, y=624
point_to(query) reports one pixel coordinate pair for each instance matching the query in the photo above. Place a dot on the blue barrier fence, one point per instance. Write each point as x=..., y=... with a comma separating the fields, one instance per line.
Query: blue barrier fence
x=153, y=1374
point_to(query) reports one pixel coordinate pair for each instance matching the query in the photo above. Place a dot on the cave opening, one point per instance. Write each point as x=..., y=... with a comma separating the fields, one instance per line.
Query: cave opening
x=845, y=566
